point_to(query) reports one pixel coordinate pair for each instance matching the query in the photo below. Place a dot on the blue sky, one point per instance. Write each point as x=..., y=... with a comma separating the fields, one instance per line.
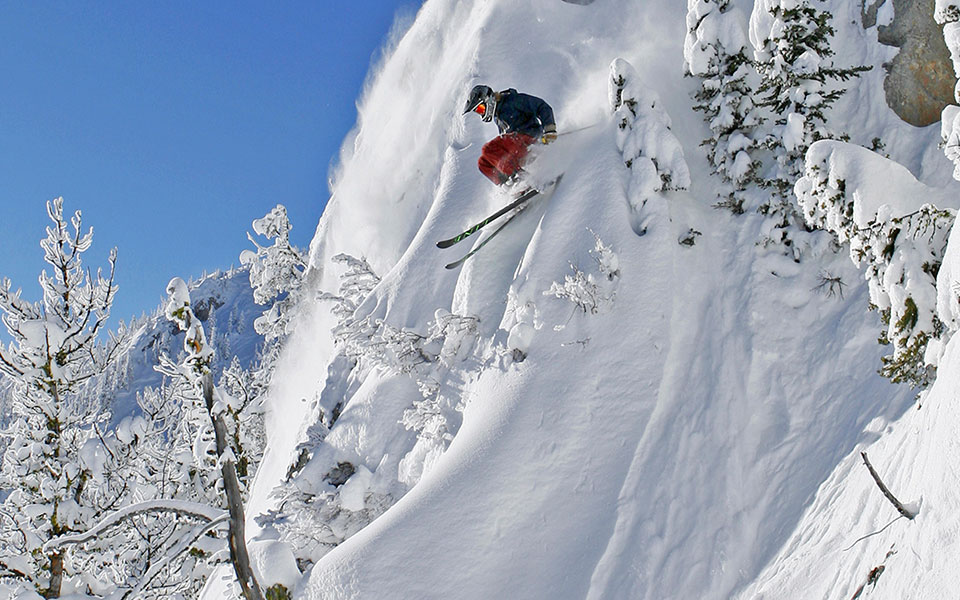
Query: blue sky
x=173, y=125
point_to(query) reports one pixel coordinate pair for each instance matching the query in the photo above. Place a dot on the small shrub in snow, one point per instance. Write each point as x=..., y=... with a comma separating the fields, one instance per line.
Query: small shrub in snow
x=607, y=260
x=580, y=289
x=586, y=291
x=382, y=345
x=829, y=285
x=356, y=283
x=689, y=238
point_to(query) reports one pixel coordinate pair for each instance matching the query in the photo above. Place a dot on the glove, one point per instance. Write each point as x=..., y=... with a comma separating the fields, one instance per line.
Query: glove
x=549, y=134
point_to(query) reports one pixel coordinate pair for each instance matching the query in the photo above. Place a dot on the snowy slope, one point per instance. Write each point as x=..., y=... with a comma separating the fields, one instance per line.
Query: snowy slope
x=851, y=542
x=666, y=446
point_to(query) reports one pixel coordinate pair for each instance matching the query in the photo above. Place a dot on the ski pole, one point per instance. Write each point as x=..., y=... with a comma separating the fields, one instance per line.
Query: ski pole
x=579, y=129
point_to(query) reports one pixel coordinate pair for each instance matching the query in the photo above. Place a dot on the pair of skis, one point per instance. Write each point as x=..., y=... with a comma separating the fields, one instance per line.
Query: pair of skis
x=520, y=203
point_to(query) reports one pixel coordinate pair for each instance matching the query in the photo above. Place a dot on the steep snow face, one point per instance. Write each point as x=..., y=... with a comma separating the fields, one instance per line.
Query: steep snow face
x=851, y=541
x=642, y=400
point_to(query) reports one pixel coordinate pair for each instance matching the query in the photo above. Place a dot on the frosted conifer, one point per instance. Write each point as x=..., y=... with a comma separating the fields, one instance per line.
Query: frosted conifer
x=51, y=463
x=716, y=50
x=276, y=272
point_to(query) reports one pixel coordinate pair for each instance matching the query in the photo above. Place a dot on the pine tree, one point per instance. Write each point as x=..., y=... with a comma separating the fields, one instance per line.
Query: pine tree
x=195, y=367
x=901, y=255
x=716, y=51
x=152, y=552
x=276, y=273
x=799, y=85
x=51, y=459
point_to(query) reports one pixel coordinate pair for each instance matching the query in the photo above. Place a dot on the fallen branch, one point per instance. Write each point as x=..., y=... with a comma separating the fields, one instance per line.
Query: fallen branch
x=886, y=492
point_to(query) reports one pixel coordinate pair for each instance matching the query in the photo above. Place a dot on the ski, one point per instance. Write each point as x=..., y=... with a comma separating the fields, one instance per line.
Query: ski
x=457, y=263
x=523, y=197
x=520, y=202
x=462, y=236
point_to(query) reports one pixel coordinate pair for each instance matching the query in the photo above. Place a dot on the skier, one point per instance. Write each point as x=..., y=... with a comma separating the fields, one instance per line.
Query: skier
x=523, y=120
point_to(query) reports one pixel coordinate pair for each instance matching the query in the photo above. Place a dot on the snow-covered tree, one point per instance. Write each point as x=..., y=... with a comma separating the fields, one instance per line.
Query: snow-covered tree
x=147, y=547
x=329, y=496
x=799, y=83
x=718, y=52
x=651, y=152
x=356, y=283
x=894, y=234
x=49, y=465
x=593, y=291
x=195, y=367
x=245, y=389
x=276, y=272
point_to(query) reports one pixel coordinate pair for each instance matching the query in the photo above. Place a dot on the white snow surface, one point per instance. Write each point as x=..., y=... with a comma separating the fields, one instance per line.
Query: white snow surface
x=697, y=437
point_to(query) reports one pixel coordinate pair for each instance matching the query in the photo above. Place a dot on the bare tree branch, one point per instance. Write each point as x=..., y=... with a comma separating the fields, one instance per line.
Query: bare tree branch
x=886, y=492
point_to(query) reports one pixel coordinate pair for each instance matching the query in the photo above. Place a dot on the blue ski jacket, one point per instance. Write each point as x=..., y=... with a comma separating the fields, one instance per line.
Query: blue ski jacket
x=522, y=113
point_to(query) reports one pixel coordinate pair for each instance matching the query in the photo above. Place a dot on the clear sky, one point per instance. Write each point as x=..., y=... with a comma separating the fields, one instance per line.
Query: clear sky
x=172, y=125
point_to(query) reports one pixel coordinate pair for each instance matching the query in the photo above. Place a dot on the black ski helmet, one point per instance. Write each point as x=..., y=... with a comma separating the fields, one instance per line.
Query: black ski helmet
x=481, y=94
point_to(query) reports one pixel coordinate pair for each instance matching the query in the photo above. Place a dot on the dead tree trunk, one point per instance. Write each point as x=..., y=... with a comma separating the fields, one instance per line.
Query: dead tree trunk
x=56, y=576
x=231, y=487
x=886, y=492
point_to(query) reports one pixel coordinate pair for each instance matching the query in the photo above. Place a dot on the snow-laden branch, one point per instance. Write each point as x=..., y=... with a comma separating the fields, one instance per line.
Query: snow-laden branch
x=188, y=540
x=180, y=507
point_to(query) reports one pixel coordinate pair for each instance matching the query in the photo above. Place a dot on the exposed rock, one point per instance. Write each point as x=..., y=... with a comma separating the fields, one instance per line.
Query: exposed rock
x=920, y=79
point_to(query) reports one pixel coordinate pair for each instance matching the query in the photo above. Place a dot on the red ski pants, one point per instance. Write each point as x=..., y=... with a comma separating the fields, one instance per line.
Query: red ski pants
x=503, y=156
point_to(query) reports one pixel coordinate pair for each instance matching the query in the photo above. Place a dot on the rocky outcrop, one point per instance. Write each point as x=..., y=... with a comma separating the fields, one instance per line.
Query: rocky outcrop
x=920, y=79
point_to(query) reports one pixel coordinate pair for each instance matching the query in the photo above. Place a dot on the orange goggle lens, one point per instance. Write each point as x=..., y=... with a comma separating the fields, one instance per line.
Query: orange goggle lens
x=480, y=109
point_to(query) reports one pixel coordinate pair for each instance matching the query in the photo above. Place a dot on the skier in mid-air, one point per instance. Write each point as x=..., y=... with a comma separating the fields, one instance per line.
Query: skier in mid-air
x=523, y=120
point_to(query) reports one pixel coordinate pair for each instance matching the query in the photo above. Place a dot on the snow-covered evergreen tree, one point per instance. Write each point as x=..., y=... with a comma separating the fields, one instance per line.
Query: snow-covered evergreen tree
x=150, y=549
x=899, y=245
x=717, y=50
x=245, y=389
x=50, y=468
x=799, y=84
x=276, y=272
x=220, y=409
x=356, y=283
x=651, y=152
